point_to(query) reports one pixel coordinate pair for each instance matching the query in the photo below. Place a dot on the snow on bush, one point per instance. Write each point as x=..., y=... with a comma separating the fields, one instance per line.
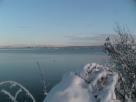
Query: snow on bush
x=122, y=50
x=94, y=83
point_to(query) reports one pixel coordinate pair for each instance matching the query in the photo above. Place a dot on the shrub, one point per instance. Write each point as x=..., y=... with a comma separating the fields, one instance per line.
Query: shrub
x=122, y=51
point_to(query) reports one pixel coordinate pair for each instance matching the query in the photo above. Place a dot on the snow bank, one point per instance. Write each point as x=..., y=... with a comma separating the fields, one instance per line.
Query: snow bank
x=94, y=83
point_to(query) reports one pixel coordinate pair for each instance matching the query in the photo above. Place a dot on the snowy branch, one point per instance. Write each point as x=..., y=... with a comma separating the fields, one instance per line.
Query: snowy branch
x=9, y=95
x=21, y=88
x=122, y=51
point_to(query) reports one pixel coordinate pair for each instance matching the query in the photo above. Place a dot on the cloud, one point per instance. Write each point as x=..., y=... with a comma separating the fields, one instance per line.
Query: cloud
x=24, y=27
x=91, y=40
x=87, y=40
x=84, y=38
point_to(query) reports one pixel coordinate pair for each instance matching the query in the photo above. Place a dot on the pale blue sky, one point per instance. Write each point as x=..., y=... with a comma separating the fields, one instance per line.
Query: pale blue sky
x=79, y=22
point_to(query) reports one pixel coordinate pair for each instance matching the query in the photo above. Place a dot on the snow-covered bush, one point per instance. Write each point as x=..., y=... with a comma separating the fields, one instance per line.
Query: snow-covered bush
x=122, y=50
x=94, y=83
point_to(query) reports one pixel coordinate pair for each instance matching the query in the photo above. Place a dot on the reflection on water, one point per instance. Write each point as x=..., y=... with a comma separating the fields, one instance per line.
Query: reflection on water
x=20, y=65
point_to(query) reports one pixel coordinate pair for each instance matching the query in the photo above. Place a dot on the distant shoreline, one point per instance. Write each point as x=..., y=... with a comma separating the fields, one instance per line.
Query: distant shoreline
x=11, y=47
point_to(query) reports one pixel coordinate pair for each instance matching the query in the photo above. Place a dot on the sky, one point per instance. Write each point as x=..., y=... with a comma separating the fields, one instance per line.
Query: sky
x=62, y=22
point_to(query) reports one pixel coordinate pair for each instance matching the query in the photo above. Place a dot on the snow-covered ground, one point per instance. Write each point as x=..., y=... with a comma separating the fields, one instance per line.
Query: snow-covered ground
x=94, y=83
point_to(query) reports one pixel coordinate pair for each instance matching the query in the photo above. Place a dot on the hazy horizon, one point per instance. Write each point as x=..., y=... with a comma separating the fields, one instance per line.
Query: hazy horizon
x=62, y=22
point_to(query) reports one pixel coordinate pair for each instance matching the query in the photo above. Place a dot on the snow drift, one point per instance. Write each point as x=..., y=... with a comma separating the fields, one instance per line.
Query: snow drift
x=94, y=83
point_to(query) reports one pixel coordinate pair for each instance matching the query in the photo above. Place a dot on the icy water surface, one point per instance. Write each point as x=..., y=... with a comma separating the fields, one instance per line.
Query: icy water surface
x=20, y=65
